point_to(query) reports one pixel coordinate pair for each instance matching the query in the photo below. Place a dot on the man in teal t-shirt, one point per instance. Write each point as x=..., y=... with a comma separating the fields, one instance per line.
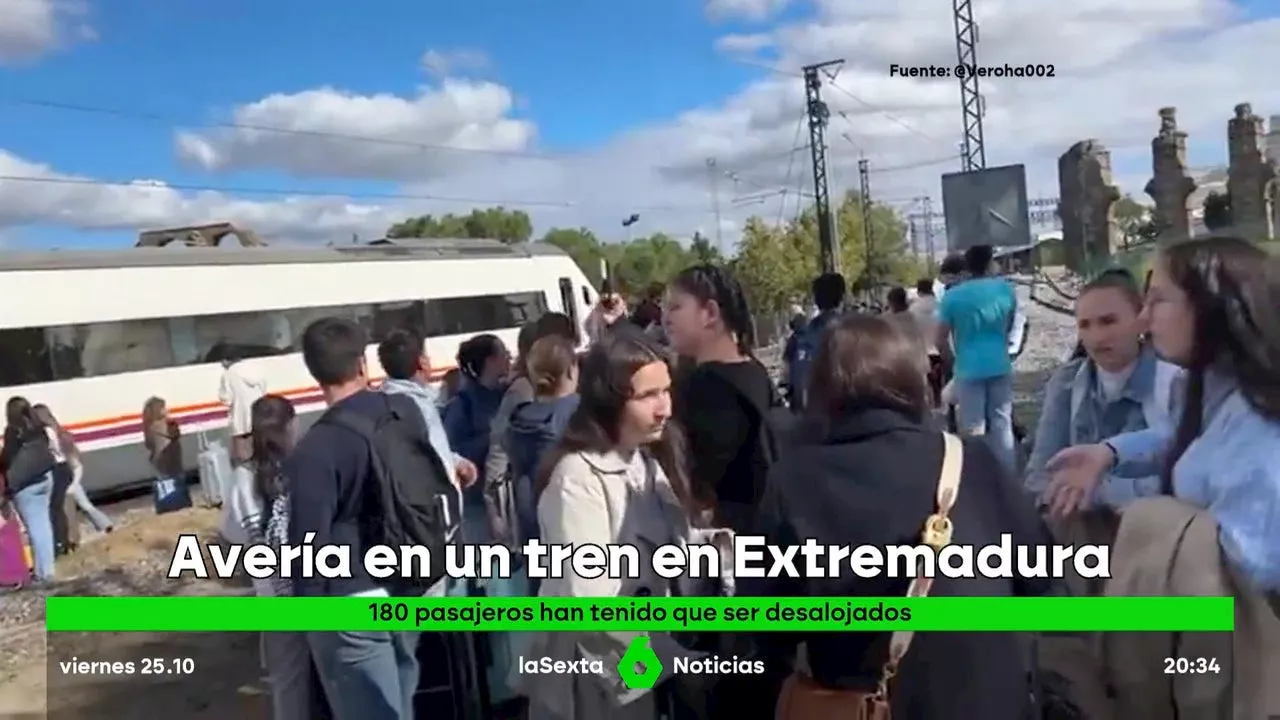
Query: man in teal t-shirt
x=976, y=316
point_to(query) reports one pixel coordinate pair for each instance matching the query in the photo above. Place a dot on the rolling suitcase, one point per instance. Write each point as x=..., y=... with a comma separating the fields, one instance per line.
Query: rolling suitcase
x=214, y=463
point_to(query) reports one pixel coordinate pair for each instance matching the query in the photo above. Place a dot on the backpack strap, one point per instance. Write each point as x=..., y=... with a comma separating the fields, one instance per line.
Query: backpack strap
x=937, y=534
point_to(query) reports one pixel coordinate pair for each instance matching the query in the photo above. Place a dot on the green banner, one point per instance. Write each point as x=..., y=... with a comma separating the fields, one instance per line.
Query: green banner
x=1047, y=614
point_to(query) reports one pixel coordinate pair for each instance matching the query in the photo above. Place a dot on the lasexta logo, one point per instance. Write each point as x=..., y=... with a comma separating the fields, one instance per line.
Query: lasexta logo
x=639, y=667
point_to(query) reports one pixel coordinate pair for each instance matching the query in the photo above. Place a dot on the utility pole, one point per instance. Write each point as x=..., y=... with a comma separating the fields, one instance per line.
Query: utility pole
x=819, y=114
x=714, y=177
x=971, y=105
x=864, y=186
x=928, y=232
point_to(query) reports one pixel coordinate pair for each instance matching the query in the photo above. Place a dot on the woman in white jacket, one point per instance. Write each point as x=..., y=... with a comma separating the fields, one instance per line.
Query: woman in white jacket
x=615, y=477
x=239, y=389
x=259, y=506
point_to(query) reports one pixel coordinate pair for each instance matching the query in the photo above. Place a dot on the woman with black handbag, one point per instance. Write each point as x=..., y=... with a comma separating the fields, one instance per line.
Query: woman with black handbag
x=27, y=463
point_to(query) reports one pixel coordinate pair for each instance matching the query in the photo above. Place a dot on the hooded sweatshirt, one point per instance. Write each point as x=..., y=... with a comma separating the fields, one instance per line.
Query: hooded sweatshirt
x=721, y=406
x=496, y=464
x=534, y=427
x=239, y=388
x=425, y=398
x=467, y=419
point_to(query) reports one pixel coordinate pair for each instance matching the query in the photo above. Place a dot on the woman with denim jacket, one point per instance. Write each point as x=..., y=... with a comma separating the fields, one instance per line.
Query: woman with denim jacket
x=1112, y=388
x=1212, y=311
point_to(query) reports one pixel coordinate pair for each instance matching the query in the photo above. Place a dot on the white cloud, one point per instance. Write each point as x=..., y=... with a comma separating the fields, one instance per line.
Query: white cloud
x=445, y=63
x=32, y=28
x=753, y=10
x=329, y=131
x=747, y=44
x=46, y=196
x=1116, y=62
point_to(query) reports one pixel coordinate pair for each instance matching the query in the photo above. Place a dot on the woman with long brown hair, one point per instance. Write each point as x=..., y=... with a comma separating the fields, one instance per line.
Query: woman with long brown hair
x=26, y=464
x=615, y=478
x=1212, y=310
x=75, y=499
x=869, y=470
x=259, y=507
x=162, y=437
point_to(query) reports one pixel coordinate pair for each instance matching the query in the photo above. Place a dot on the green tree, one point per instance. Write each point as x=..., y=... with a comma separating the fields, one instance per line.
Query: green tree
x=778, y=266
x=1133, y=219
x=765, y=265
x=704, y=252
x=494, y=223
x=645, y=261
x=583, y=246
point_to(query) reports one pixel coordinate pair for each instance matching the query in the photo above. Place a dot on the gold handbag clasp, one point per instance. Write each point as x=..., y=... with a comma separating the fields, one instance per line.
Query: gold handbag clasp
x=937, y=531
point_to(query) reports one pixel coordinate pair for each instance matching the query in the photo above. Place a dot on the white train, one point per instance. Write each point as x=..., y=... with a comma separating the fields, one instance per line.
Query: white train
x=94, y=334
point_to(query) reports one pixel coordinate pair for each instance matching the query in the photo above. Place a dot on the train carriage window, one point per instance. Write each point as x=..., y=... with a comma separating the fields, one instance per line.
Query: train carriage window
x=109, y=348
x=299, y=318
x=241, y=335
x=24, y=357
x=485, y=313
x=398, y=316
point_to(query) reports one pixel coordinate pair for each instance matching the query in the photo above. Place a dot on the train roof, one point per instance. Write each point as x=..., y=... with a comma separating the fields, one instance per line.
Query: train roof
x=407, y=249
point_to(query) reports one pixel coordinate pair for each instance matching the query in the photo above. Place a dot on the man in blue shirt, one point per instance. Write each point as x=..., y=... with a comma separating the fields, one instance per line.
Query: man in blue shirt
x=974, y=318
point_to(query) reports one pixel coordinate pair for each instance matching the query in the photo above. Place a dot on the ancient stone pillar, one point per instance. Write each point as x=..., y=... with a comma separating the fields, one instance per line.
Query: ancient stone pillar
x=1170, y=184
x=1252, y=178
x=1085, y=204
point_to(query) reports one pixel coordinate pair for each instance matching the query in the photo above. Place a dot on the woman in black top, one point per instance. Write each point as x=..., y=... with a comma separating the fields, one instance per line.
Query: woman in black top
x=27, y=463
x=864, y=470
x=723, y=399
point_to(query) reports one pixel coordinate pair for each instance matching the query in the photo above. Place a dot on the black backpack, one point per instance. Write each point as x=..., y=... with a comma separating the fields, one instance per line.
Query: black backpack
x=417, y=502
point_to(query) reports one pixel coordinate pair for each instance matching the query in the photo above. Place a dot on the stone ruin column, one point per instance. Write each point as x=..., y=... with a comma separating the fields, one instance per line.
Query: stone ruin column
x=1170, y=184
x=1086, y=200
x=1252, y=178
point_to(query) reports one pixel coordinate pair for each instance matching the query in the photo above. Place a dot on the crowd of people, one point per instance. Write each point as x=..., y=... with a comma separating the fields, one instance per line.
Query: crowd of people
x=667, y=429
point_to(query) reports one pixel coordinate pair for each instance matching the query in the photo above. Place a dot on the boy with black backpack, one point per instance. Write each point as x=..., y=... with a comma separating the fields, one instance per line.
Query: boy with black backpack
x=365, y=474
x=829, y=290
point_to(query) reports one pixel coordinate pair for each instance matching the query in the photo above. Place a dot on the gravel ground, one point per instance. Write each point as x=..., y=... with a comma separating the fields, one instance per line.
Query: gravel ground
x=133, y=560
x=1053, y=337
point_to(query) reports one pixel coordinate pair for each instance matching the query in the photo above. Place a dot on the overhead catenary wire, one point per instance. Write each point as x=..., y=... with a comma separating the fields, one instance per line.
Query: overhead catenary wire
x=174, y=121
x=791, y=161
x=831, y=81
x=299, y=192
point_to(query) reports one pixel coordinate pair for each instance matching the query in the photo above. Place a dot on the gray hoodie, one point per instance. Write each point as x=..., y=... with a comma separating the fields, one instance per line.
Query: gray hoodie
x=495, y=465
x=425, y=397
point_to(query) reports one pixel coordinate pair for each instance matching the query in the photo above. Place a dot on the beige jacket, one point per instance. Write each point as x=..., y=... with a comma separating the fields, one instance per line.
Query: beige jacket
x=597, y=499
x=1168, y=548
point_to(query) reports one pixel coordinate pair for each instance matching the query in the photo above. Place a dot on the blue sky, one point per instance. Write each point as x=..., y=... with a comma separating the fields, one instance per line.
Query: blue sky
x=609, y=85
x=584, y=71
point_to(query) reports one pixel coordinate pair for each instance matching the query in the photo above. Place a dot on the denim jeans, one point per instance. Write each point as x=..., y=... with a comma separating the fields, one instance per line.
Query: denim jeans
x=81, y=498
x=367, y=675
x=287, y=656
x=32, y=504
x=986, y=408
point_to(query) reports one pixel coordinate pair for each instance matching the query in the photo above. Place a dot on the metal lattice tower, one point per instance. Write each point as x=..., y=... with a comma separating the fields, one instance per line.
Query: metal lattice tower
x=818, y=115
x=973, y=153
x=864, y=187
